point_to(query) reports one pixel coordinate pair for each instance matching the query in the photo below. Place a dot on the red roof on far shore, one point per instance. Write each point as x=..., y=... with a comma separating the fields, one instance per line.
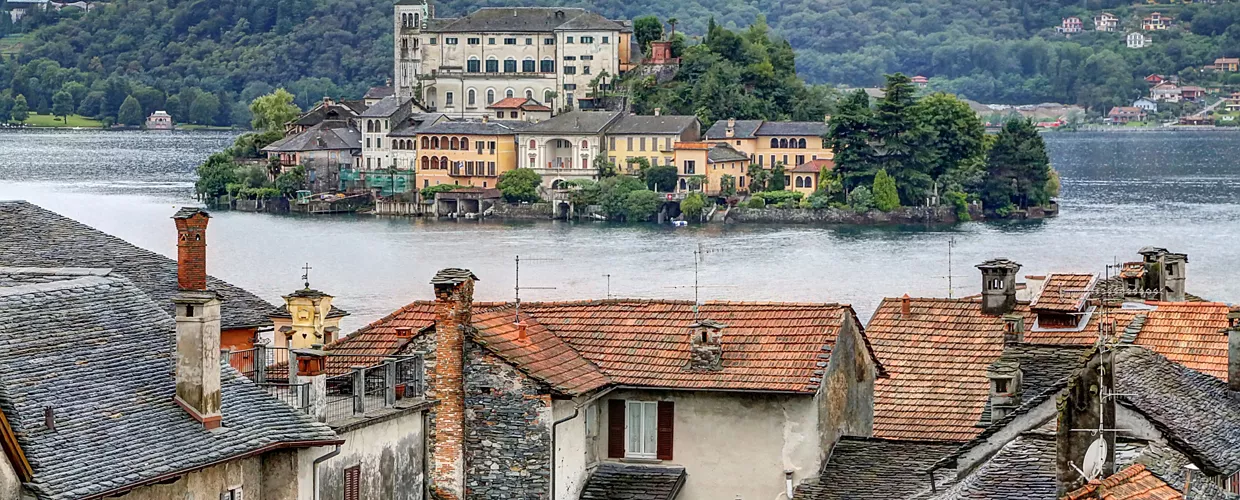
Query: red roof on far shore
x=814, y=165
x=522, y=103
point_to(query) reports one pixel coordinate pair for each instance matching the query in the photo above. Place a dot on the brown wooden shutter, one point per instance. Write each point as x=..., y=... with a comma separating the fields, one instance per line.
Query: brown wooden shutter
x=615, y=428
x=352, y=483
x=667, y=417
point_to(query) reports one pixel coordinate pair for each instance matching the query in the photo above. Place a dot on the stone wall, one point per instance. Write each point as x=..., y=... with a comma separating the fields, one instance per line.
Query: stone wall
x=902, y=215
x=535, y=211
x=508, y=437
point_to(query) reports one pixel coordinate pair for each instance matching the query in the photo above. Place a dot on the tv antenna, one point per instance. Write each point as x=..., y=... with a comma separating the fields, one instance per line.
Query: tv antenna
x=951, y=244
x=608, y=276
x=517, y=288
x=305, y=275
x=697, y=259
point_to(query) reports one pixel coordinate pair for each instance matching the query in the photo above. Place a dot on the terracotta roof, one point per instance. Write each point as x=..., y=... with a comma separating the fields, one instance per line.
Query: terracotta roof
x=694, y=145
x=1134, y=483
x=524, y=103
x=1188, y=333
x=814, y=165
x=936, y=360
x=1064, y=293
x=583, y=345
x=1133, y=270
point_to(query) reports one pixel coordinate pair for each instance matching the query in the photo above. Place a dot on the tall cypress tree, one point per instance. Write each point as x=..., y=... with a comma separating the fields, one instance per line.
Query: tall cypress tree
x=848, y=134
x=901, y=140
x=1017, y=168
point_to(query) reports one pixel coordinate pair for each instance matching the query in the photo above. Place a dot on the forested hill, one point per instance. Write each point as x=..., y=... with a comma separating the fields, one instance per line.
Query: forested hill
x=234, y=50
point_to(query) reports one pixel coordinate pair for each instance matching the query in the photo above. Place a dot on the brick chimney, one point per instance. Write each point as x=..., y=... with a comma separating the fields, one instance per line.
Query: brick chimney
x=1233, y=349
x=906, y=306
x=197, y=323
x=454, y=296
x=705, y=346
x=998, y=286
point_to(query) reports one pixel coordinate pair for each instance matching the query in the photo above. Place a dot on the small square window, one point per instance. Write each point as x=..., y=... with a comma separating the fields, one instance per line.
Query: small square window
x=568, y=39
x=474, y=41
x=529, y=41
x=491, y=41
x=606, y=40
x=510, y=41
x=449, y=41
x=548, y=41
x=433, y=41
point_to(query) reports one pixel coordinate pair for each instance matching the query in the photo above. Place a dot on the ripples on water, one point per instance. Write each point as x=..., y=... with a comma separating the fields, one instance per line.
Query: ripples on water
x=1121, y=191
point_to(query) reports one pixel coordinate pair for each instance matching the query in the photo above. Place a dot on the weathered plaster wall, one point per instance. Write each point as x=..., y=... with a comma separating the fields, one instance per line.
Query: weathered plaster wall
x=733, y=445
x=10, y=484
x=209, y=483
x=390, y=456
x=574, y=448
x=508, y=430
x=846, y=396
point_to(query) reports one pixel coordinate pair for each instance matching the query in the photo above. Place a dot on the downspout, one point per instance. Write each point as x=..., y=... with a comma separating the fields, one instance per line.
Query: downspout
x=314, y=470
x=576, y=411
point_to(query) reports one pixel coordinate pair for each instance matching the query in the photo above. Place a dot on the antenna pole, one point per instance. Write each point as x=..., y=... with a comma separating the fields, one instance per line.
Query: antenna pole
x=517, y=288
x=608, y=276
x=951, y=242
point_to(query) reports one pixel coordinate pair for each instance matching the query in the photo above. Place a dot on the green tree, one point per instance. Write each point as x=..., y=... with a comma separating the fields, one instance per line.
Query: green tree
x=250, y=145
x=860, y=199
x=520, y=185
x=204, y=110
x=130, y=112
x=903, y=140
x=614, y=192
x=693, y=206
x=727, y=185
x=215, y=174
x=604, y=166
x=956, y=129
x=848, y=135
x=647, y=29
x=428, y=193
x=76, y=90
x=21, y=110
x=62, y=105
x=661, y=178
x=777, y=181
x=1017, y=168
x=758, y=177
x=272, y=111
x=885, y=196
x=288, y=183
x=6, y=107
x=641, y=205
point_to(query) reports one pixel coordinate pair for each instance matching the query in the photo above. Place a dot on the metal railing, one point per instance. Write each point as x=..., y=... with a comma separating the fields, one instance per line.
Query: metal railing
x=261, y=363
x=368, y=388
x=294, y=395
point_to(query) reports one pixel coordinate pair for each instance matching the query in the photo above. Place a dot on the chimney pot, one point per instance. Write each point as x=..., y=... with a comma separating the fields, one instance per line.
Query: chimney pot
x=521, y=330
x=404, y=332
x=905, y=306
x=191, y=224
x=657, y=111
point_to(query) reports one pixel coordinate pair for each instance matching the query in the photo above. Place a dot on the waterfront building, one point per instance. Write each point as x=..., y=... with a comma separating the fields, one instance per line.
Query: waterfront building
x=520, y=108
x=652, y=137
x=1146, y=105
x=565, y=147
x=159, y=120
x=709, y=162
x=323, y=149
x=1120, y=115
x=770, y=142
x=327, y=109
x=467, y=152
x=387, y=128
x=460, y=66
x=804, y=177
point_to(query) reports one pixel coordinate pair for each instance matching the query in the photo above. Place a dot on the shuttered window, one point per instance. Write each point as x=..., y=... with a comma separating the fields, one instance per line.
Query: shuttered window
x=640, y=429
x=352, y=483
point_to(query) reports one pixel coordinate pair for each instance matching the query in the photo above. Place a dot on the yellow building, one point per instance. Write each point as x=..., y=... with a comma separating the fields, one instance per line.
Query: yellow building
x=651, y=137
x=768, y=143
x=804, y=177
x=467, y=152
x=709, y=162
x=306, y=318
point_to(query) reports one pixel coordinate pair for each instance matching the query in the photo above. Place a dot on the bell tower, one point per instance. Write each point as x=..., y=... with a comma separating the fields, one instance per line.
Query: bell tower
x=409, y=19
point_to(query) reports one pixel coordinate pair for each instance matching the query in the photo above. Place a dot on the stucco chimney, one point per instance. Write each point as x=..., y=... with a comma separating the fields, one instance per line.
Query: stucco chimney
x=731, y=130
x=1013, y=328
x=197, y=323
x=658, y=111
x=454, y=295
x=705, y=346
x=310, y=371
x=998, y=286
x=1233, y=349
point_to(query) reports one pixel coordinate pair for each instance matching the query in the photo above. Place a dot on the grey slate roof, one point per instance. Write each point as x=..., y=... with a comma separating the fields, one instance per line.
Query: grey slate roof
x=415, y=123
x=105, y=363
x=1042, y=367
x=35, y=237
x=770, y=128
x=647, y=125
x=384, y=108
x=864, y=468
x=744, y=129
x=725, y=152
x=526, y=19
x=574, y=123
x=1197, y=413
x=1024, y=469
x=616, y=481
x=325, y=136
x=476, y=127
x=381, y=91
x=337, y=111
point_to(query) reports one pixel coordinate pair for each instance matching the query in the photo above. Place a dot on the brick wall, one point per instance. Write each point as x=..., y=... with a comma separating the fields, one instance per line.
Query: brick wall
x=508, y=442
x=192, y=253
x=452, y=312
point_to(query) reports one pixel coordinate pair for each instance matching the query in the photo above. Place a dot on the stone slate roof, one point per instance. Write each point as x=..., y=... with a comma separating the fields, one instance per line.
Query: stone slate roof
x=415, y=123
x=723, y=152
x=617, y=481
x=525, y=20
x=336, y=111
x=104, y=362
x=1043, y=368
x=328, y=135
x=865, y=468
x=773, y=128
x=1024, y=469
x=380, y=92
x=35, y=237
x=649, y=125
x=574, y=123
x=1197, y=414
x=475, y=127
x=384, y=108
x=744, y=129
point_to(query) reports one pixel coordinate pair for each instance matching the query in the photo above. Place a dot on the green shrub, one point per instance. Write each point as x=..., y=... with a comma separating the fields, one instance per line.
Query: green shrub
x=693, y=206
x=818, y=200
x=519, y=185
x=755, y=202
x=960, y=202
x=428, y=193
x=779, y=197
x=861, y=200
x=885, y=196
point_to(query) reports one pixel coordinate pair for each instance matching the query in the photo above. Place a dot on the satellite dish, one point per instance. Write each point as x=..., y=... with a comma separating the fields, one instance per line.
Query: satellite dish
x=1095, y=457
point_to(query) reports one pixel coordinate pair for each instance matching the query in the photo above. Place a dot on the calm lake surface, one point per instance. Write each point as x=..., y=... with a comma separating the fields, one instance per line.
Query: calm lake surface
x=1121, y=191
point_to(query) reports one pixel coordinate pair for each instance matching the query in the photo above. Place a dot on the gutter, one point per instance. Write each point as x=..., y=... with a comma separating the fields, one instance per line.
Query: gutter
x=576, y=411
x=314, y=470
x=175, y=474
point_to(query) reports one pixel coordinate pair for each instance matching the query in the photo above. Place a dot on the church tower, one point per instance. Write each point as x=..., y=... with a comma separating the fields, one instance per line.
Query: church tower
x=411, y=16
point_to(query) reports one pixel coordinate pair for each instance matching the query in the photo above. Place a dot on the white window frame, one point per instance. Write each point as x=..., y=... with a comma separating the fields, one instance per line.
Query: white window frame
x=643, y=406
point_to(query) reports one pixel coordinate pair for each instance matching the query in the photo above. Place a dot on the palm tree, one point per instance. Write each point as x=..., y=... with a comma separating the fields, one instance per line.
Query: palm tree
x=671, y=21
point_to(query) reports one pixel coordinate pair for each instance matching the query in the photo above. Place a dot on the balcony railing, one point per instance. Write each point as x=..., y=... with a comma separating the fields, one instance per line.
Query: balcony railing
x=366, y=389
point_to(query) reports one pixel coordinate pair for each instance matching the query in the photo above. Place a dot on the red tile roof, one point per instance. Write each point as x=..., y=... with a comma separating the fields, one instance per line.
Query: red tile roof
x=1133, y=483
x=523, y=103
x=580, y=346
x=814, y=165
x=1188, y=333
x=1064, y=293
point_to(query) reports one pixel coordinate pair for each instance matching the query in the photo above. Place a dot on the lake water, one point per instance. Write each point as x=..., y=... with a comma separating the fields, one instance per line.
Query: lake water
x=1121, y=191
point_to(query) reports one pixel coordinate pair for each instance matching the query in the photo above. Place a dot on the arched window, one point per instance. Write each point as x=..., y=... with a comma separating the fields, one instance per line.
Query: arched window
x=490, y=97
x=472, y=97
x=443, y=162
x=509, y=93
x=801, y=143
x=417, y=20
x=774, y=142
x=409, y=144
x=426, y=143
x=585, y=144
x=783, y=143
x=529, y=93
x=809, y=181
x=799, y=182
x=434, y=163
x=426, y=163
x=683, y=186
x=395, y=144
x=528, y=65
x=453, y=144
x=533, y=145
x=434, y=143
x=547, y=97
x=443, y=143
x=510, y=65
